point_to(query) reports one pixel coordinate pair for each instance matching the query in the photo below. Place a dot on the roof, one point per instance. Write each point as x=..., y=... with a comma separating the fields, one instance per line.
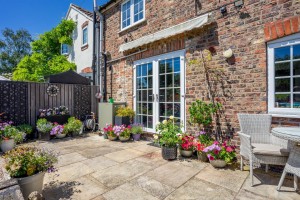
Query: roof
x=168, y=32
x=68, y=77
x=109, y=2
x=87, y=13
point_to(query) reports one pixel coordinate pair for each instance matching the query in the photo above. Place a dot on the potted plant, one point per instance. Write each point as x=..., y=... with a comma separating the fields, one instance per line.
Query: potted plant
x=108, y=130
x=27, y=129
x=73, y=127
x=205, y=140
x=136, y=130
x=168, y=138
x=124, y=116
x=44, y=127
x=200, y=153
x=58, y=131
x=28, y=165
x=220, y=154
x=9, y=136
x=117, y=130
x=186, y=145
x=124, y=136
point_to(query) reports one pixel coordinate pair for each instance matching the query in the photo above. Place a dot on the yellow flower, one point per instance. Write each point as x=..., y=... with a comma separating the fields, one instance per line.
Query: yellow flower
x=171, y=117
x=165, y=121
x=155, y=137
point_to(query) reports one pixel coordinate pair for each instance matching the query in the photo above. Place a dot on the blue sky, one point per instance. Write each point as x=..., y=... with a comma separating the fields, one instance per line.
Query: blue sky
x=37, y=16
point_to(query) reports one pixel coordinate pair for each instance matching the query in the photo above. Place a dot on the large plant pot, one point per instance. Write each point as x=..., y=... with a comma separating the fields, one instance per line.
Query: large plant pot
x=31, y=183
x=7, y=145
x=185, y=153
x=169, y=153
x=112, y=138
x=60, y=136
x=105, y=136
x=218, y=163
x=202, y=156
x=124, y=139
x=122, y=120
x=136, y=137
x=44, y=136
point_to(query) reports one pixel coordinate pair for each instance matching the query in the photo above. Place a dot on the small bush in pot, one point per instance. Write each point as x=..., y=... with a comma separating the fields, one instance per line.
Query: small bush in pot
x=108, y=130
x=220, y=154
x=205, y=140
x=28, y=165
x=10, y=135
x=136, y=130
x=200, y=153
x=26, y=129
x=44, y=127
x=74, y=126
x=125, y=134
x=58, y=131
x=186, y=145
x=168, y=138
x=123, y=116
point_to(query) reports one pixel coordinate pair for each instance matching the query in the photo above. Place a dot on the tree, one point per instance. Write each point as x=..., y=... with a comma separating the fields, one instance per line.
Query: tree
x=13, y=47
x=46, y=58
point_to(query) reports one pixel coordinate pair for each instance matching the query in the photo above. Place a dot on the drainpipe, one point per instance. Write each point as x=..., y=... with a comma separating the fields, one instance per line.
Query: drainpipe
x=94, y=44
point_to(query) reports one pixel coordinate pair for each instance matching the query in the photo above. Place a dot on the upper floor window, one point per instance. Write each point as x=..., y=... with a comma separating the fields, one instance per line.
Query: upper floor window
x=284, y=75
x=85, y=35
x=133, y=11
x=64, y=49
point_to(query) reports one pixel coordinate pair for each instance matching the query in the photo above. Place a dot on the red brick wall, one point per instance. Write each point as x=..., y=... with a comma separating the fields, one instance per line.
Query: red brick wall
x=243, y=87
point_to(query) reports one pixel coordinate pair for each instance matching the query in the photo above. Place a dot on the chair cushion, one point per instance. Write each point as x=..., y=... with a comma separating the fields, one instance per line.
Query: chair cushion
x=269, y=149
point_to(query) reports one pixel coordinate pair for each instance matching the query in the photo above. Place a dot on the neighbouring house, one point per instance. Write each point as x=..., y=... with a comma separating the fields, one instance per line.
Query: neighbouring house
x=153, y=47
x=81, y=51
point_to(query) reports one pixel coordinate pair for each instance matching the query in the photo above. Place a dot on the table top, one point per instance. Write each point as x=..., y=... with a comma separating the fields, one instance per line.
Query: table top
x=288, y=133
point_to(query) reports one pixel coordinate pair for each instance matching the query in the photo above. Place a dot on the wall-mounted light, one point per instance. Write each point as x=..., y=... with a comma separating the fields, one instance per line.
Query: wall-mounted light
x=239, y=4
x=223, y=10
x=228, y=53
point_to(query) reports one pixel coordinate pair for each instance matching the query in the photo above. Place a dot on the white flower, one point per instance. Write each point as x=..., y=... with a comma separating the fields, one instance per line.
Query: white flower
x=165, y=121
x=158, y=123
x=171, y=117
x=155, y=137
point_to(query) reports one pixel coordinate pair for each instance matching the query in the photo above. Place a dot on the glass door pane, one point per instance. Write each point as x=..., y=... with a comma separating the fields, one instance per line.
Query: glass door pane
x=144, y=95
x=169, y=89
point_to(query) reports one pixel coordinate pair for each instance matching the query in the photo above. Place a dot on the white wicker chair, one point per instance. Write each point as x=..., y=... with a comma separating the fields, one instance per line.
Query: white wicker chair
x=258, y=145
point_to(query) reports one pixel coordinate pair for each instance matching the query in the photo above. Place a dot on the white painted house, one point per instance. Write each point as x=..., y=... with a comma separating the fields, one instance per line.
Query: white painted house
x=81, y=52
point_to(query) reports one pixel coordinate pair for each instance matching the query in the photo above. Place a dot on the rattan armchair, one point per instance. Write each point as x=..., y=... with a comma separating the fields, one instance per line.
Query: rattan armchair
x=258, y=145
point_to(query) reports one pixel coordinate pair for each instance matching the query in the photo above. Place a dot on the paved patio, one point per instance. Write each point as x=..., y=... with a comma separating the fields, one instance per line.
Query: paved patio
x=94, y=168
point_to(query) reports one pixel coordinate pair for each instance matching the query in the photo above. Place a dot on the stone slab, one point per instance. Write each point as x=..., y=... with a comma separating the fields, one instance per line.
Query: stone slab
x=99, y=163
x=146, y=148
x=246, y=195
x=100, y=151
x=227, y=178
x=11, y=193
x=129, y=192
x=154, y=159
x=201, y=190
x=69, y=159
x=173, y=174
x=124, y=155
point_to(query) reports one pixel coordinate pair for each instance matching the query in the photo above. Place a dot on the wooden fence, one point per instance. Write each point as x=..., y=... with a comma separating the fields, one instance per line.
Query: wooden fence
x=21, y=101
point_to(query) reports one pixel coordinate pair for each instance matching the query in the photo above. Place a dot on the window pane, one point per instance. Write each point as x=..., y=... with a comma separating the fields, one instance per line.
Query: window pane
x=282, y=101
x=169, y=80
x=150, y=95
x=169, y=95
x=176, y=64
x=176, y=95
x=176, y=110
x=84, y=36
x=150, y=109
x=296, y=86
x=296, y=101
x=162, y=81
x=282, y=69
x=144, y=95
x=138, y=108
x=150, y=71
x=144, y=82
x=296, y=51
x=150, y=82
x=144, y=121
x=296, y=68
x=138, y=95
x=150, y=122
x=141, y=15
x=144, y=70
x=144, y=108
x=162, y=109
x=169, y=66
x=282, y=85
x=162, y=68
x=177, y=80
x=162, y=95
x=169, y=109
x=138, y=83
x=282, y=53
x=136, y=18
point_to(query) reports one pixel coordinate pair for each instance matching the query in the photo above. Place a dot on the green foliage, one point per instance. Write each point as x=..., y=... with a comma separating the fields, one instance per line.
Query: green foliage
x=168, y=133
x=26, y=161
x=201, y=113
x=125, y=112
x=26, y=128
x=125, y=133
x=11, y=132
x=44, y=126
x=136, y=129
x=46, y=58
x=13, y=47
x=73, y=126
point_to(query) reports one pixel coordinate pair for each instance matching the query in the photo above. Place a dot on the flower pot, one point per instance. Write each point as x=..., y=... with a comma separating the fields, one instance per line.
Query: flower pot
x=31, y=183
x=105, y=136
x=169, y=153
x=218, y=163
x=44, y=136
x=7, y=145
x=122, y=120
x=136, y=137
x=124, y=139
x=202, y=156
x=112, y=138
x=185, y=153
x=60, y=136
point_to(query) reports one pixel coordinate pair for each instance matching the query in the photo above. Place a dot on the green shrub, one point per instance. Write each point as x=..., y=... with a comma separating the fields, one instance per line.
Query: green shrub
x=125, y=112
x=73, y=126
x=11, y=132
x=136, y=129
x=44, y=126
x=26, y=128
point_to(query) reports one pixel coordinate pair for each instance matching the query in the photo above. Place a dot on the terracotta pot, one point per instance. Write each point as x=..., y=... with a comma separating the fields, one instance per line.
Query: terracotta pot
x=185, y=153
x=31, y=183
x=169, y=153
x=7, y=145
x=202, y=156
x=112, y=138
x=60, y=136
x=136, y=137
x=218, y=163
x=124, y=139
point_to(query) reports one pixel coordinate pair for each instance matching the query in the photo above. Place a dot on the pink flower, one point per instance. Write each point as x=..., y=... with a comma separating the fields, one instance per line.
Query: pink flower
x=216, y=142
x=229, y=149
x=210, y=157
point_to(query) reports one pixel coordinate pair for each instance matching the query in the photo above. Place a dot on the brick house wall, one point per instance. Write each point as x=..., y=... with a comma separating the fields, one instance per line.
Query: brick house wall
x=243, y=84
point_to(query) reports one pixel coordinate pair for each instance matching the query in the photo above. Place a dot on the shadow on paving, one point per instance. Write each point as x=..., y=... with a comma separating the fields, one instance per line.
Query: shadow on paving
x=60, y=190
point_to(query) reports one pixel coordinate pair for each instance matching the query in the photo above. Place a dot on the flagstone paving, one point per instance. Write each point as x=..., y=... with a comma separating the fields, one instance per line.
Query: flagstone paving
x=93, y=168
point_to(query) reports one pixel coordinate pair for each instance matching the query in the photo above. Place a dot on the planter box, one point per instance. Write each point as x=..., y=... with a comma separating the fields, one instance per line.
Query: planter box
x=44, y=136
x=122, y=120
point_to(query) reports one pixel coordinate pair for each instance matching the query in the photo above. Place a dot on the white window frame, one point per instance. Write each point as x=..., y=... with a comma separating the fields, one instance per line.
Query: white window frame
x=61, y=50
x=283, y=42
x=87, y=39
x=132, y=23
x=155, y=62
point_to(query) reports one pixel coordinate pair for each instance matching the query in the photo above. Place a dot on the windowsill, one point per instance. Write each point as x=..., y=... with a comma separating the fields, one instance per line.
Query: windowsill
x=84, y=47
x=290, y=115
x=133, y=25
x=65, y=54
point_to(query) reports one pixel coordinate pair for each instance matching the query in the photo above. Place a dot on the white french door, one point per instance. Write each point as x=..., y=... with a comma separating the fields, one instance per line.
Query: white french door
x=159, y=89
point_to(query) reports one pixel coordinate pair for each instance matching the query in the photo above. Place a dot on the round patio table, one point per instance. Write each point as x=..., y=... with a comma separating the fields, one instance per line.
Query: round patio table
x=292, y=166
